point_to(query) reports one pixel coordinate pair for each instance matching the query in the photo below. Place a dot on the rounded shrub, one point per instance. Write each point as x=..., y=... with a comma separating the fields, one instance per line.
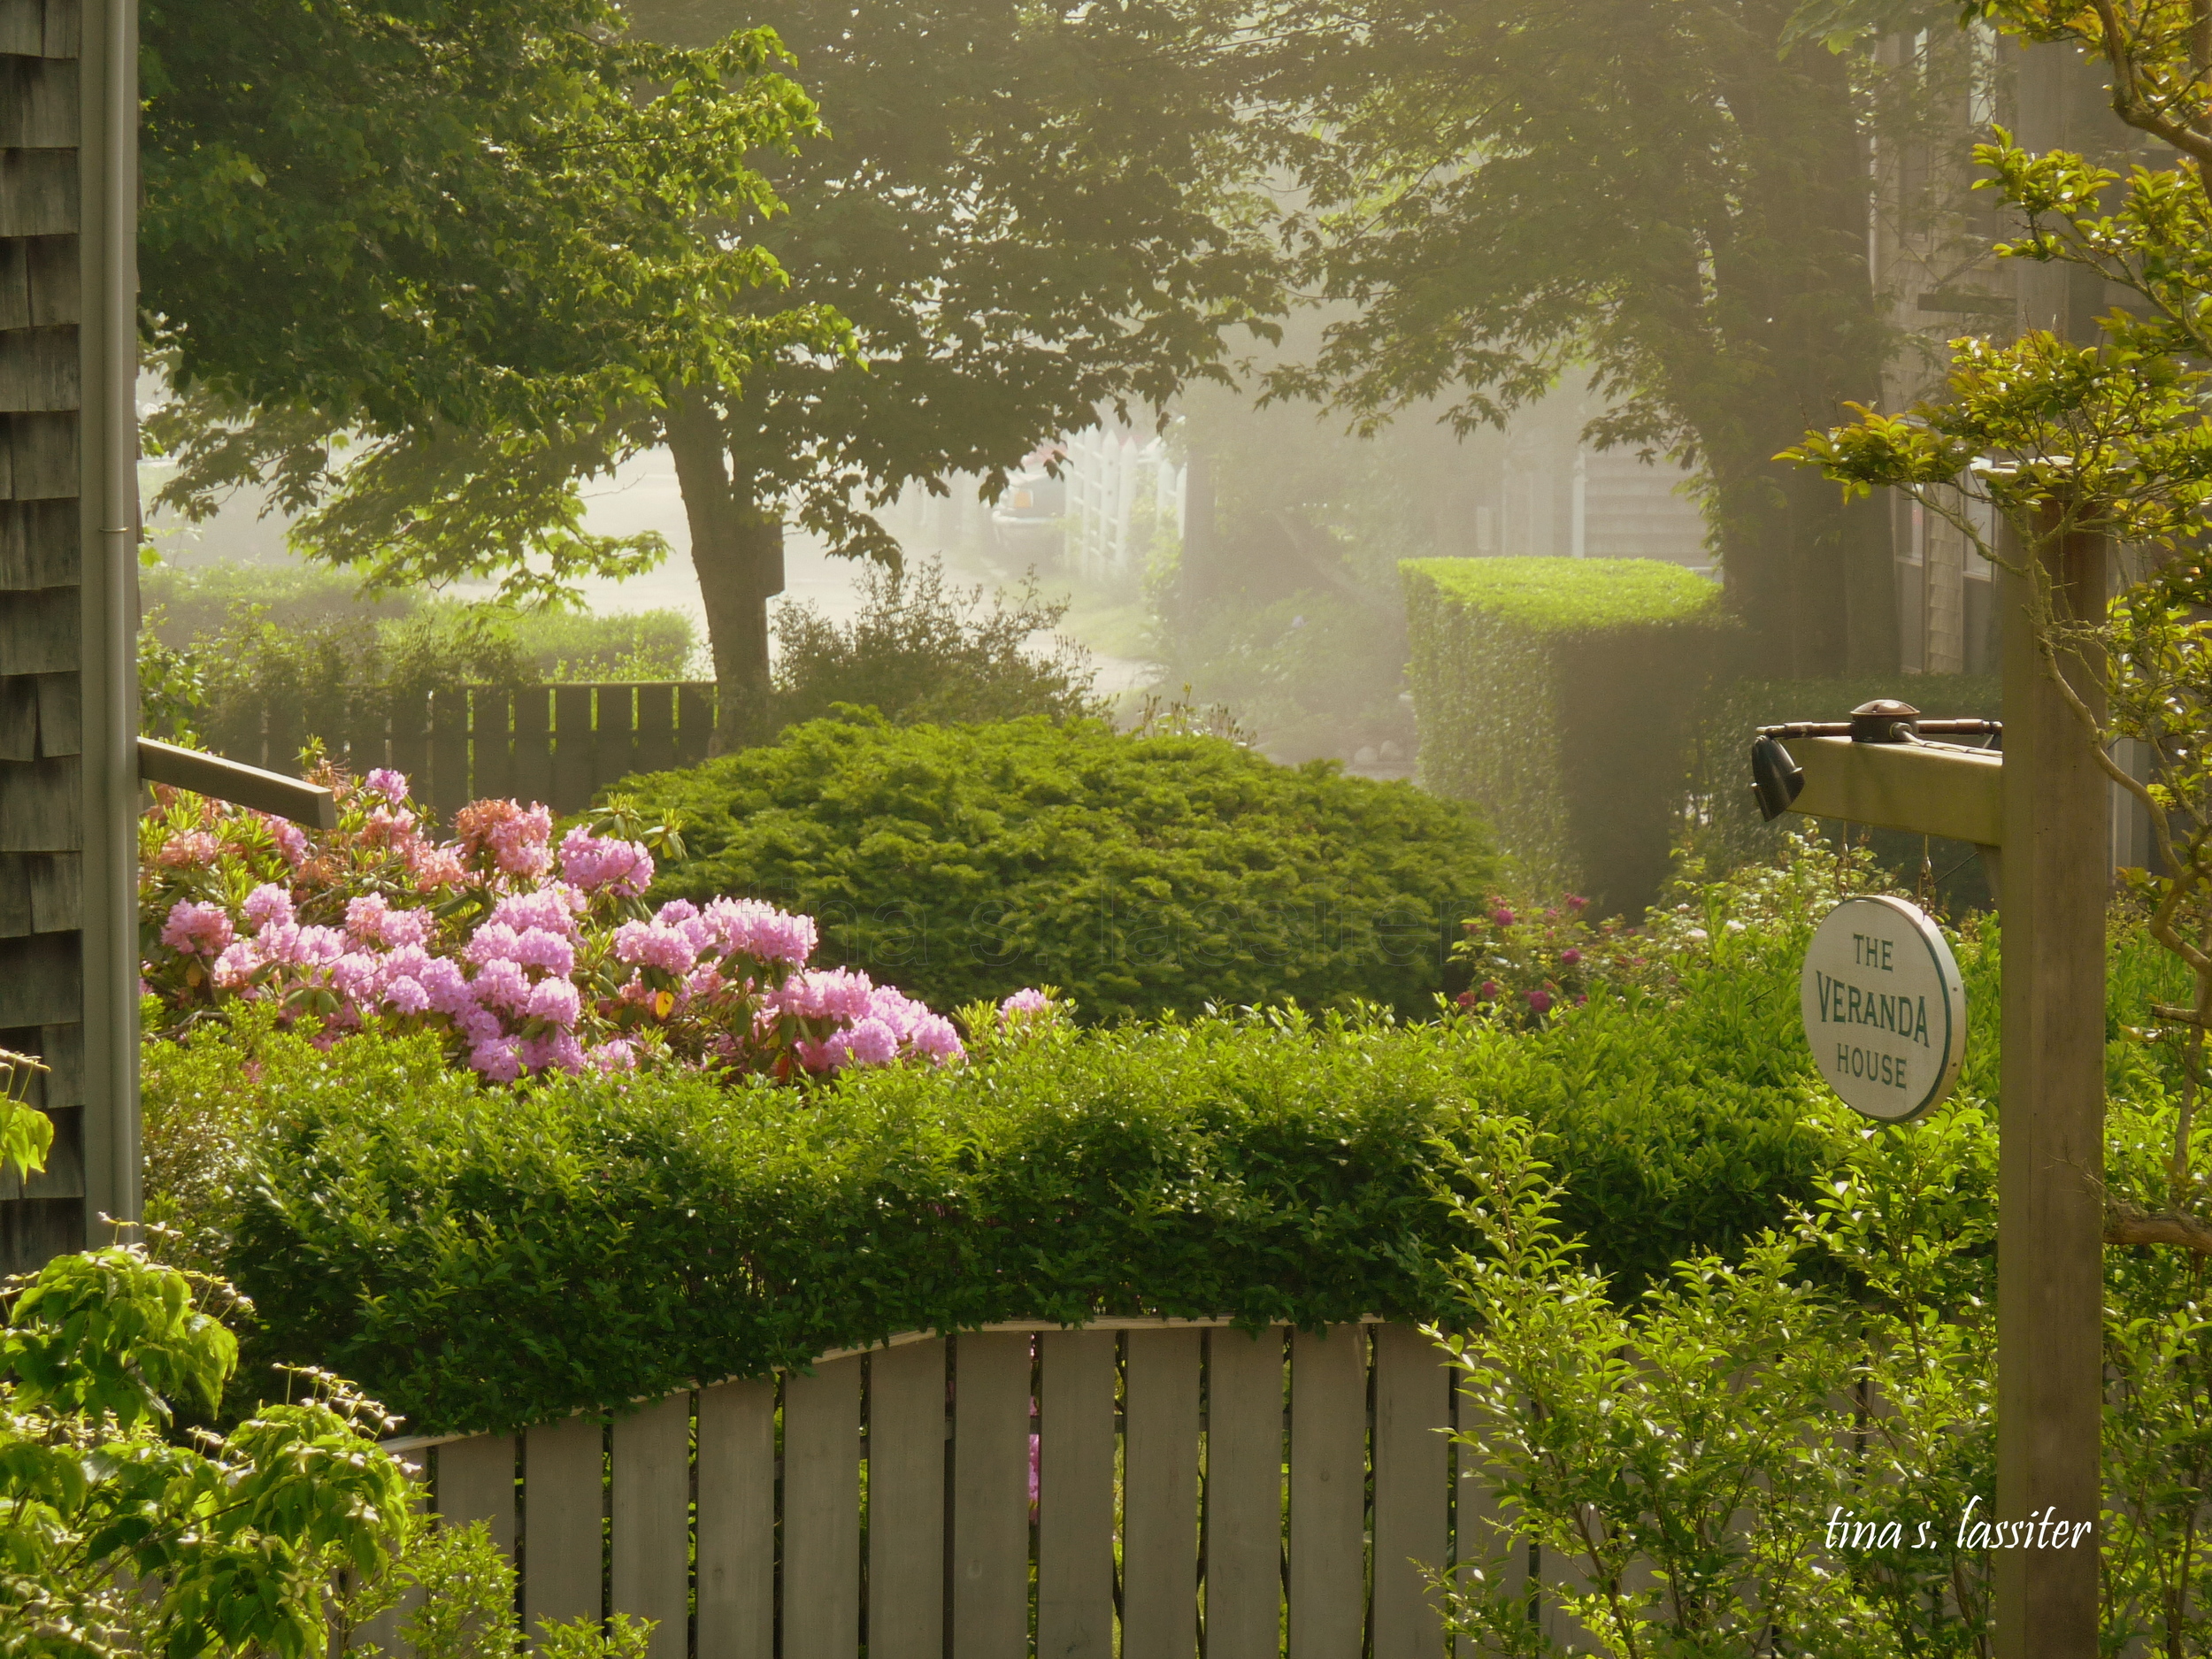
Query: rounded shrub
x=1138, y=874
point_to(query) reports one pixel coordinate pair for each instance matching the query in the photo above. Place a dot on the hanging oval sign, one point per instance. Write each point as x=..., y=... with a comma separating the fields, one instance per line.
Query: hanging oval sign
x=1885, y=1008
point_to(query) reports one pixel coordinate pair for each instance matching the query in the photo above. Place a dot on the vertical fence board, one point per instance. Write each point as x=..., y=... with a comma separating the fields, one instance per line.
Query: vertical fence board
x=656, y=728
x=1075, y=1503
x=694, y=723
x=651, y=1575
x=906, y=1502
x=283, y=740
x=990, y=1527
x=534, y=745
x=616, y=756
x=1159, y=1551
x=1412, y=1489
x=476, y=1482
x=382, y=1631
x=448, y=752
x=1328, y=1492
x=1244, y=1495
x=821, y=1512
x=408, y=743
x=737, y=1521
x=572, y=773
x=491, y=758
x=564, y=1496
x=1480, y=1540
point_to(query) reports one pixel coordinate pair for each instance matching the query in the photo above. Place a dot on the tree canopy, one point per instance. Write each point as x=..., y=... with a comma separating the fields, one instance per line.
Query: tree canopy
x=474, y=238
x=1674, y=197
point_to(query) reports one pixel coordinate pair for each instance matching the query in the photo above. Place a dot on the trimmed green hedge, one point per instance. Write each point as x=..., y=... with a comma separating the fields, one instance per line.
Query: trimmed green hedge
x=1728, y=833
x=1141, y=875
x=1555, y=695
x=479, y=1256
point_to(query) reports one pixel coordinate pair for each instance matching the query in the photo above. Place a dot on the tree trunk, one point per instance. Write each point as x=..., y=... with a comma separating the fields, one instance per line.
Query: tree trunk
x=1801, y=334
x=737, y=550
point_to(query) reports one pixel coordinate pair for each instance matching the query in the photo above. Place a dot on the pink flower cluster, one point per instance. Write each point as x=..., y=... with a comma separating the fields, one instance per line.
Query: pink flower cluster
x=593, y=862
x=521, y=969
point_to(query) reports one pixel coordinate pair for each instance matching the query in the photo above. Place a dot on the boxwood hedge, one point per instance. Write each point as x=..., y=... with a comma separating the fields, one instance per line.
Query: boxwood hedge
x=481, y=1256
x=1555, y=695
x=1141, y=875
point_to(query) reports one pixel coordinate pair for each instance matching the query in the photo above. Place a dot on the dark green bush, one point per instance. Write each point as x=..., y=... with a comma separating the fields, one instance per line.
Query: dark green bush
x=1139, y=875
x=1555, y=696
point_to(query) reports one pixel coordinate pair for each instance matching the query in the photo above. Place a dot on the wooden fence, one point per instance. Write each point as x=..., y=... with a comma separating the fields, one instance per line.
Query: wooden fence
x=559, y=744
x=1198, y=1489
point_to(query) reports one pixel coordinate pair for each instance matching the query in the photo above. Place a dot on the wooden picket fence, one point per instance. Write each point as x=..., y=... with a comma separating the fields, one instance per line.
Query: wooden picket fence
x=1154, y=1489
x=559, y=744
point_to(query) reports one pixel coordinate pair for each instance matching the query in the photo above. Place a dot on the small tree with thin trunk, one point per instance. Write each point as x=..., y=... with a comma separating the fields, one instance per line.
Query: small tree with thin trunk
x=2108, y=439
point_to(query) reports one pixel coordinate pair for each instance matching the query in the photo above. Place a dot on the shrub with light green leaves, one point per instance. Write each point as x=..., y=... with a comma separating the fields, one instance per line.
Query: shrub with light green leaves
x=1555, y=695
x=406, y=1223
x=1139, y=874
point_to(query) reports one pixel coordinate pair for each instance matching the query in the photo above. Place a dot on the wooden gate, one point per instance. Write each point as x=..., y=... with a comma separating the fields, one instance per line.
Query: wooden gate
x=1185, y=1483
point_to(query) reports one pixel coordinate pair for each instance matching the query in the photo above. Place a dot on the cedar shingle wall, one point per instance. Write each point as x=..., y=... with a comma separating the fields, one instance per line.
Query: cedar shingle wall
x=41, y=792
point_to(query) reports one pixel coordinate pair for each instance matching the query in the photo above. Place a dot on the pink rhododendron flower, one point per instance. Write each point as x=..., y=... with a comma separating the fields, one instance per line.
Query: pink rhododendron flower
x=500, y=983
x=514, y=835
x=618, y=1056
x=498, y=1058
x=434, y=867
x=593, y=862
x=554, y=1000
x=559, y=1050
x=651, y=945
x=193, y=850
x=1502, y=917
x=237, y=965
x=1540, y=1000
x=384, y=827
x=553, y=908
x=1028, y=1000
x=268, y=903
x=755, y=928
x=865, y=1042
x=823, y=994
x=389, y=784
x=290, y=839
x=406, y=995
x=1488, y=989
x=200, y=930
x=1571, y=956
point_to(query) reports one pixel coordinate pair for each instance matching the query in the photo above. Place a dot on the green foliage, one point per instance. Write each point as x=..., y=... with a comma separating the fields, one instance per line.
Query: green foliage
x=217, y=675
x=498, y=1260
x=1547, y=596
x=205, y=609
x=407, y=1223
x=1139, y=874
x=117, y=1540
x=465, y=1607
x=1680, y=1453
x=919, y=653
x=1555, y=696
x=1454, y=161
x=27, y=1134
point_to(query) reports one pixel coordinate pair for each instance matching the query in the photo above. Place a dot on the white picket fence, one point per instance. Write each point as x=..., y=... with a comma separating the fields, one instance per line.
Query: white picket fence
x=1154, y=1489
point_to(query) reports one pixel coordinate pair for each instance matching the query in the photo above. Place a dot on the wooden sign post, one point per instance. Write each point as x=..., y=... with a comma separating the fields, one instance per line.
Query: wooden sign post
x=2041, y=813
x=2050, y=1210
